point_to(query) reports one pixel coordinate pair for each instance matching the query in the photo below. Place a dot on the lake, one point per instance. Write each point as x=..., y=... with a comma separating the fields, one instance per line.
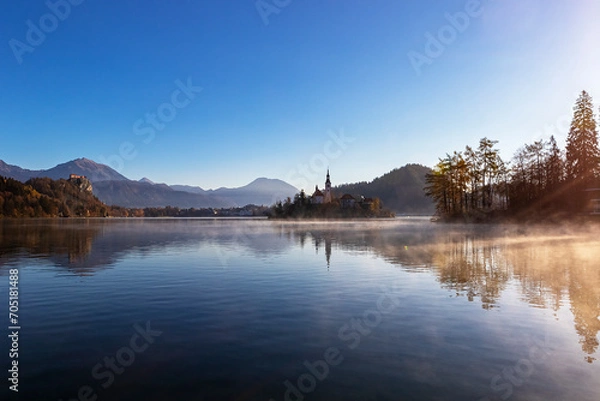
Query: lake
x=399, y=309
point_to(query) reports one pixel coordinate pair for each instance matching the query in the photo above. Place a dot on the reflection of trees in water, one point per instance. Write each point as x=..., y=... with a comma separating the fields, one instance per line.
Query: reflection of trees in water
x=64, y=244
x=39, y=238
x=548, y=268
x=584, y=293
x=478, y=263
x=473, y=267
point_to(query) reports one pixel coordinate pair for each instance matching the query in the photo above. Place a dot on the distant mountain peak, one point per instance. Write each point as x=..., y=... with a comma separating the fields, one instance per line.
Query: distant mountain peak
x=262, y=180
x=82, y=166
x=268, y=183
x=146, y=180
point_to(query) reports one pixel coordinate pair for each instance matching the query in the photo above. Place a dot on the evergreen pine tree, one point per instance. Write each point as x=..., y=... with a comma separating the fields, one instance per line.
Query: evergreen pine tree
x=554, y=166
x=583, y=155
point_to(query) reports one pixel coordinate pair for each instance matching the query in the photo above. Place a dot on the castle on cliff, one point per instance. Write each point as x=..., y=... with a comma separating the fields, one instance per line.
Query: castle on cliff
x=82, y=182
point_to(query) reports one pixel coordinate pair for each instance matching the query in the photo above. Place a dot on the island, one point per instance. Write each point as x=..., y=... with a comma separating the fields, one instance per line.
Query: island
x=325, y=205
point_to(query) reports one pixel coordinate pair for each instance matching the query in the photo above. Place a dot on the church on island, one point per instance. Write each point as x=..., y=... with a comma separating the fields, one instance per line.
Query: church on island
x=323, y=204
x=319, y=197
x=347, y=201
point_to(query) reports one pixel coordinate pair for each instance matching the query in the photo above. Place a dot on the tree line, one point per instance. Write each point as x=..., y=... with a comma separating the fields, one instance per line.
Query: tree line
x=541, y=179
x=301, y=207
x=43, y=197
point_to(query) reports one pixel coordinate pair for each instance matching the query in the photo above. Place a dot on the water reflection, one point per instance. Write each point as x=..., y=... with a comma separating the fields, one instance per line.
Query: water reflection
x=324, y=242
x=551, y=268
x=64, y=245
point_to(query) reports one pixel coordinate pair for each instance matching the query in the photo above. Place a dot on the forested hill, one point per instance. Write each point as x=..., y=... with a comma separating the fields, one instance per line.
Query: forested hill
x=43, y=197
x=400, y=190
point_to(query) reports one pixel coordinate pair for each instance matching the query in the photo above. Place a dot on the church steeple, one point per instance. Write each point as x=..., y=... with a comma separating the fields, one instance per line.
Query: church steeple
x=328, y=188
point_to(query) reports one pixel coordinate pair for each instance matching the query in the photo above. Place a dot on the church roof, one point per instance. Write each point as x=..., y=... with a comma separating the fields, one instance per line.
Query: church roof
x=317, y=193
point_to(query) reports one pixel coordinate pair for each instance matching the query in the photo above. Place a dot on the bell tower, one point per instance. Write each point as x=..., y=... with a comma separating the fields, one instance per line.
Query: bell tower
x=327, y=189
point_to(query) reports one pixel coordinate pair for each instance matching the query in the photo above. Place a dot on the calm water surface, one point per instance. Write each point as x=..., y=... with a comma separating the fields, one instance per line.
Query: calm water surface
x=258, y=310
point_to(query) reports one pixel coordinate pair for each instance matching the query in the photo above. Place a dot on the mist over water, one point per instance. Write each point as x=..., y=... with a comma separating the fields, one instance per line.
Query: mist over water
x=251, y=309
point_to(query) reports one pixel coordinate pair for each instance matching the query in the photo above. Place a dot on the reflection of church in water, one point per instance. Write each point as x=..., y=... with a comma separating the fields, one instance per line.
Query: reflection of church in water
x=326, y=240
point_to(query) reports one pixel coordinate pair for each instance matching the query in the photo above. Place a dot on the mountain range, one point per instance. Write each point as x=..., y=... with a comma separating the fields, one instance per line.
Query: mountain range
x=113, y=188
x=400, y=190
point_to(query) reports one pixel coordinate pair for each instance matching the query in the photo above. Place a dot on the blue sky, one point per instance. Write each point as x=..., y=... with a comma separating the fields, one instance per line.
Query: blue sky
x=280, y=78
